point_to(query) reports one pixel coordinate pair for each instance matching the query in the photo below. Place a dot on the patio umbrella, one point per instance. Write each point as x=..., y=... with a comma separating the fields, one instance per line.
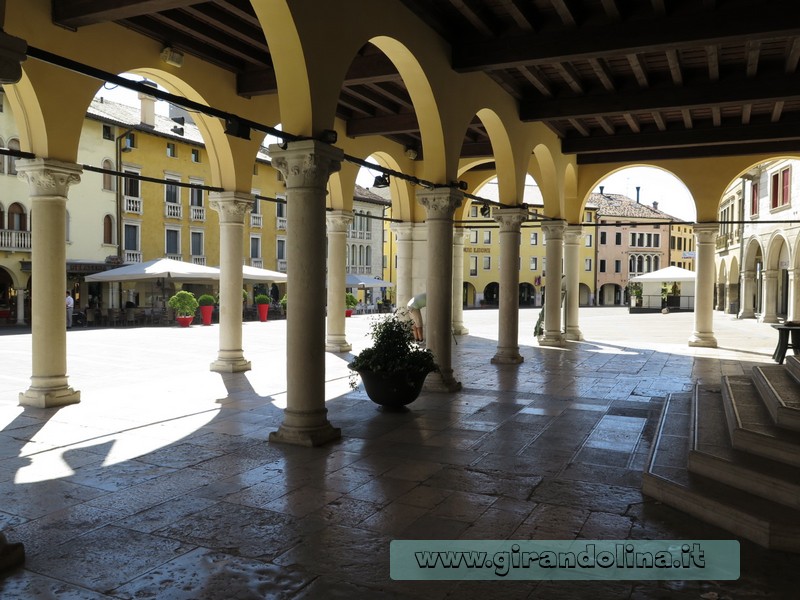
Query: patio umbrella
x=362, y=281
x=255, y=274
x=176, y=270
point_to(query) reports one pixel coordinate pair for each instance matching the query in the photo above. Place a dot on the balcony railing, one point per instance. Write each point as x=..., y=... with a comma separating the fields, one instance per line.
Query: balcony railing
x=257, y=263
x=133, y=205
x=282, y=265
x=198, y=213
x=255, y=220
x=133, y=256
x=199, y=260
x=281, y=223
x=11, y=239
x=174, y=256
x=173, y=210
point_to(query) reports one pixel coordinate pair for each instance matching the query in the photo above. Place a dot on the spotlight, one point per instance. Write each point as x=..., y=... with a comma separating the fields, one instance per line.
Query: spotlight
x=461, y=185
x=381, y=181
x=485, y=211
x=411, y=153
x=329, y=136
x=236, y=128
x=177, y=130
x=172, y=57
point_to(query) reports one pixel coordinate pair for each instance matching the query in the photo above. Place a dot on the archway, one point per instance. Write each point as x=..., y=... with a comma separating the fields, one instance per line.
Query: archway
x=491, y=294
x=527, y=294
x=469, y=297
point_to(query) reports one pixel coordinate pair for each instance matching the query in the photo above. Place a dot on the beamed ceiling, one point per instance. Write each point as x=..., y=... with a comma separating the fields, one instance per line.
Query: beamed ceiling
x=614, y=79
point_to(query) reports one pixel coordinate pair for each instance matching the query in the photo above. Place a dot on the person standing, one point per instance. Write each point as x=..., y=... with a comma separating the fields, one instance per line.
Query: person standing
x=70, y=308
x=415, y=306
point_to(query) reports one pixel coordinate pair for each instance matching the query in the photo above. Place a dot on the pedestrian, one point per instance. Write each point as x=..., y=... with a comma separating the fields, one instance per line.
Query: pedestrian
x=415, y=306
x=70, y=308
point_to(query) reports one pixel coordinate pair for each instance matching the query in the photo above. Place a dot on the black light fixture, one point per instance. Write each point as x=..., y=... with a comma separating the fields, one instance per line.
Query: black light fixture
x=485, y=211
x=381, y=181
x=329, y=136
x=236, y=128
x=177, y=130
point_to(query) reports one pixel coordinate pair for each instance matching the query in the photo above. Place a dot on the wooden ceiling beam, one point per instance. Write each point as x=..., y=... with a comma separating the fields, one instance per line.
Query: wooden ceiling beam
x=734, y=149
x=78, y=13
x=384, y=125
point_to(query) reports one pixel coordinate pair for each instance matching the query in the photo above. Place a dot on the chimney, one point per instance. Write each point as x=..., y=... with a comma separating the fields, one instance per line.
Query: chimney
x=655, y=205
x=637, y=193
x=601, y=189
x=148, y=103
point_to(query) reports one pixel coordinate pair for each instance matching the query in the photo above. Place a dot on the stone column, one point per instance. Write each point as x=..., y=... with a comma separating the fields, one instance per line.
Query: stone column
x=794, y=296
x=554, y=251
x=337, y=221
x=48, y=181
x=306, y=166
x=746, y=300
x=458, y=282
x=440, y=204
x=510, y=219
x=770, y=295
x=572, y=267
x=703, y=335
x=731, y=296
x=233, y=208
x=21, y=294
x=403, y=233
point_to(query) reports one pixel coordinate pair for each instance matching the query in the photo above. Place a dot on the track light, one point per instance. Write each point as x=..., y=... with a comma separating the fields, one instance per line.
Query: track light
x=329, y=136
x=485, y=211
x=236, y=128
x=381, y=181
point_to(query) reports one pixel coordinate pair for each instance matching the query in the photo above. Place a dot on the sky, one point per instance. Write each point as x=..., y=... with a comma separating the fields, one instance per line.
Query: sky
x=656, y=185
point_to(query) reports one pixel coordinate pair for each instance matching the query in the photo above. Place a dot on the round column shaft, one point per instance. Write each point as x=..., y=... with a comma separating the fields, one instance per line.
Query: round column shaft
x=458, y=282
x=703, y=334
x=768, y=312
x=554, y=252
x=746, y=297
x=572, y=267
x=306, y=166
x=337, y=222
x=403, y=233
x=233, y=208
x=48, y=182
x=510, y=220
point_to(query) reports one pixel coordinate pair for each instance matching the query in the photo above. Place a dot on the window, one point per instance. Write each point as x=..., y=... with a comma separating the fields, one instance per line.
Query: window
x=172, y=152
x=108, y=133
x=281, y=249
x=108, y=229
x=602, y=265
x=171, y=192
x=196, y=195
x=534, y=238
x=780, y=191
x=487, y=263
x=487, y=237
x=617, y=266
x=108, y=178
x=587, y=264
x=754, y=199
x=473, y=266
x=173, y=241
x=473, y=236
x=534, y=263
x=195, y=155
x=618, y=238
x=280, y=209
x=603, y=237
x=131, y=236
x=17, y=218
x=588, y=240
x=656, y=240
x=131, y=184
x=255, y=246
x=473, y=211
x=197, y=243
x=130, y=140
x=12, y=160
x=2, y=160
x=587, y=217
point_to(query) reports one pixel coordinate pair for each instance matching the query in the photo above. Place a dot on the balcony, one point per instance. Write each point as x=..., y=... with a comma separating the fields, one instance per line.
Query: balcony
x=198, y=260
x=11, y=239
x=282, y=265
x=133, y=205
x=256, y=220
x=198, y=213
x=173, y=210
x=281, y=223
x=172, y=256
x=133, y=256
x=258, y=263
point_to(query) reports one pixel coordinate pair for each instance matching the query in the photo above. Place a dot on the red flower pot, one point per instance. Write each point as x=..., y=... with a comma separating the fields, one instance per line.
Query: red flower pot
x=185, y=321
x=206, y=313
x=263, y=311
x=348, y=312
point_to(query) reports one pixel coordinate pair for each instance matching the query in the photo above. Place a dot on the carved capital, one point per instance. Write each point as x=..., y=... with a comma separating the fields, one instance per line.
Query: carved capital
x=232, y=207
x=510, y=219
x=403, y=231
x=48, y=177
x=307, y=163
x=573, y=235
x=554, y=230
x=338, y=220
x=706, y=233
x=440, y=203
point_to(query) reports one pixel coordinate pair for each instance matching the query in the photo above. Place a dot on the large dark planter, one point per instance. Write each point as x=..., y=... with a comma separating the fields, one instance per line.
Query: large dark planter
x=392, y=391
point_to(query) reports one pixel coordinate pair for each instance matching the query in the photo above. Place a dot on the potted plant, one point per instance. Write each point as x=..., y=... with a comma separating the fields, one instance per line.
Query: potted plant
x=206, y=302
x=350, y=302
x=184, y=304
x=394, y=368
x=283, y=304
x=262, y=301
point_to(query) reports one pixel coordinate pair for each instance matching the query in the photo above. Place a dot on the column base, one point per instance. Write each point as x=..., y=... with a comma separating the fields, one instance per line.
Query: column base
x=48, y=397
x=443, y=381
x=574, y=334
x=305, y=436
x=507, y=356
x=703, y=340
x=336, y=343
x=460, y=329
x=768, y=319
x=230, y=364
x=551, y=339
x=747, y=314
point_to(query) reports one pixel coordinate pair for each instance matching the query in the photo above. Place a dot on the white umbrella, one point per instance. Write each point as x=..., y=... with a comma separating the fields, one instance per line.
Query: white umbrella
x=362, y=281
x=255, y=274
x=671, y=273
x=176, y=270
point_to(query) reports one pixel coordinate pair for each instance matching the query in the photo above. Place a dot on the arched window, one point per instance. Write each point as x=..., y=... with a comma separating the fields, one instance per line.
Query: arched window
x=13, y=144
x=16, y=217
x=2, y=162
x=108, y=229
x=353, y=255
x=361, y=256
x=108, y=179
x=368, y=257
x=656, y=263
x=367, y=222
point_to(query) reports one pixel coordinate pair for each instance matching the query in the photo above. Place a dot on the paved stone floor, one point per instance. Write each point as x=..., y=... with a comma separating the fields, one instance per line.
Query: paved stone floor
x=161, y=484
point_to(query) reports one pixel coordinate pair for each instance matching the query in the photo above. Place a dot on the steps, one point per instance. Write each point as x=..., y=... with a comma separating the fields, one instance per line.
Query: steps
x=730, y=455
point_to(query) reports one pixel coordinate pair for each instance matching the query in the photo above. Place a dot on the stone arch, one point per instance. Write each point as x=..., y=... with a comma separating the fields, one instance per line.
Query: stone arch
x=722, y=272
x=542, y=167
x=777, y=247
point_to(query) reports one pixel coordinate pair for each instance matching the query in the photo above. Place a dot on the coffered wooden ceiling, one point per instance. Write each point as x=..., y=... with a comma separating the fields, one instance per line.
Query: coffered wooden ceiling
x=615, y=79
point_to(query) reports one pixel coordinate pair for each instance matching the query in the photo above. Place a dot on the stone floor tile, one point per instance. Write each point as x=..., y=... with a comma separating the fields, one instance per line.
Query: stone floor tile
x=164, y=514
x=432, y=527
x=302, y=501
x=463, y=506
x=53, y=529
x=27, y=585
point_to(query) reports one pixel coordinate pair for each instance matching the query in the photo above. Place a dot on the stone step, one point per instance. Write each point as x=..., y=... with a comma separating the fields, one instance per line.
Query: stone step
x=780, y=393
x=668, y=480
x=750, y=425
x=712, y=455
x=793, y=366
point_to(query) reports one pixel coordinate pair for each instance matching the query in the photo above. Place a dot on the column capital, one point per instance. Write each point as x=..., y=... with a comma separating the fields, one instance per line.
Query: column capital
x=706, y=233
x=459, y=235
x=231, y=206
x=554, y=230
x=510, y=219
x=403, y=231
x=47, y=177
x=338, y=220
x=573, y=234
x=307, y=163
x=440, y=203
